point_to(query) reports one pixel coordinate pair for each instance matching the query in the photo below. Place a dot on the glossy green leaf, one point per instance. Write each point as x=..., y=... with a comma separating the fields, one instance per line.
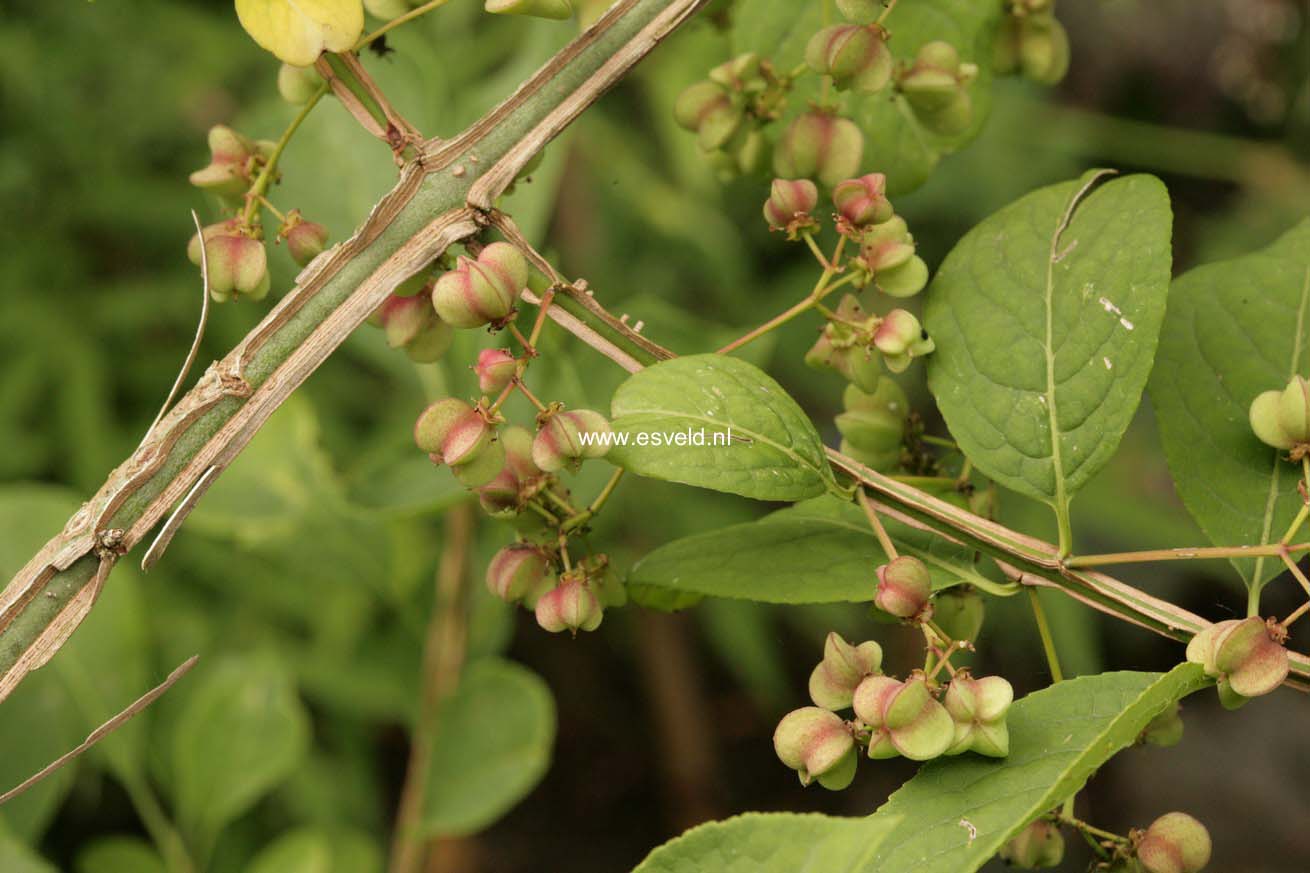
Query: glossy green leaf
x=1046, y=317
x=119, y=855
x=768, y=448
x=895, y=142
x=819, y=551
x=313, y=850
x=241, y=731
x=1234, y=329
x=956, y=813
x=772, y=842
x=492, y=745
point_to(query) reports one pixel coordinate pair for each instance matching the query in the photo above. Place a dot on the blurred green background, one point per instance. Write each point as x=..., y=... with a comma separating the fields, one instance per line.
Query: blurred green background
x=304, y=581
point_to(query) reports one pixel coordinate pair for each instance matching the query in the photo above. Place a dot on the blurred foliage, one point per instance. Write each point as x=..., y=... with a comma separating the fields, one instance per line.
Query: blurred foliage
x=305, y=578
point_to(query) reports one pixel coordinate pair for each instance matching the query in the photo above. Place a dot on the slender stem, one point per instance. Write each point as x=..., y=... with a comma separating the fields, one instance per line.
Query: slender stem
x=559, y=501
x=818, y=252
x=1065, y=542
x=891, y=4
x=1272, y=550
x=260, y=186
x=268, y=204
x=443, y=660
x=546, y=299
x=1297, y=613
x=1296, y=523
x=398, y=21
x=1296, y=571
x=1090, y=829
x=966, y=470
x=589, y=513
x=816, y=294
x=1044, y=631
x=939, y=441
x=922, y=481
x=532, y=398
x=876, y=523
x=165, y=836
x=528, y=348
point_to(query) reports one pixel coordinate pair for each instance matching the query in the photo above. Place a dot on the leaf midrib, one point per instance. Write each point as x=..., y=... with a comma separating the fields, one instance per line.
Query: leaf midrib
x=721, y=426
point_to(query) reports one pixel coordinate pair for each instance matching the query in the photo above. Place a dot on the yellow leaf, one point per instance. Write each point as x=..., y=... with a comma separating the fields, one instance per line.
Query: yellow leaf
x=298, y=31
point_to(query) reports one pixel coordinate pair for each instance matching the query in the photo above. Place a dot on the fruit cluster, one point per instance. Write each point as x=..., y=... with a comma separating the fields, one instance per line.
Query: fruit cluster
x=1032, y=42
x=1245, y=656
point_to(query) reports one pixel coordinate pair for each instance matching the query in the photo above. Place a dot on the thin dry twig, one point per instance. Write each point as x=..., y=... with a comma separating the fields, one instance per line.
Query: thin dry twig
x=103, y=731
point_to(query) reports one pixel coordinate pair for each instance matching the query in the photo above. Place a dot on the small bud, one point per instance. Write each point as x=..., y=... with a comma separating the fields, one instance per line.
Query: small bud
x=854, y=56
x=901, y=338
x=904, y=588
x=863, y=201
x=495, y=369
x=1294, y=410
x=1165, y=730
x=1174, y=843
x=568, y=437
x=789, y=206
x=297, y=85
x=1040, y=844
x=812, y=741
x=518, y=452
x=226, y=174
x=741, y=73
x=843, y=667
x=1043, y=48
x=821, y=146
x=452, y=432
x=515, y=570
x=305, y=239
x=557, y=10
x=238, y=263
x=699, y=101
x=570, y=606
x=959, y=612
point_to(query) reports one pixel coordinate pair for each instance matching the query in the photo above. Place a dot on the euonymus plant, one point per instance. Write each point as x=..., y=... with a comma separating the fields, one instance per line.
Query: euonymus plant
x=1038, y=333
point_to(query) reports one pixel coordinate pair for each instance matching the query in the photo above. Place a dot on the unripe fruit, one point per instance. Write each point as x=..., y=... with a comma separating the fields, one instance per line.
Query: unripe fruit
x=226, y=174
x=1165, y=730
x=515, y=570
x=1294, y=410
x=741, y=73
x=789, y=205
x=305, y=239
x=854, y=56
x=842, y=773
x=482, y=467
x=297, y=85
x=500, y=496
x=495, y=368
x=699, y=101
x=857, y=363
x=570, y=606
x=518, y=452
x=238, y=263
x=834, y=680
x=553, y=9
x=872, y=433
x=918, y=726
x=934, y=88
x=977, y=708
x=904, y=588
x=1040, y=844
x=812, y=741
x=959, y=612
x=481, y=291
x=863, y=201
x=452, y=432
x=561, y=441
x=1243, y=655
x=1174, y=843
x=433, y=342
x=901, y=338
x=1043, y=49
x=821, y=146
x=403, y=318
x=1264, y=421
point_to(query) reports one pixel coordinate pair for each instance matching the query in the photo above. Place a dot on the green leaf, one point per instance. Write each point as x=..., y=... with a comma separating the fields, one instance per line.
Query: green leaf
x=298, y=31
x=491, y=746
x=119, y=855
x=895, y=142
x=775, y=842
x=242, y=731
x=1046, y=317
x=956, y=813
x=313, y=850
x=17, y=858
x=774, y=452
x=818, y=551
x=1234, y=329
